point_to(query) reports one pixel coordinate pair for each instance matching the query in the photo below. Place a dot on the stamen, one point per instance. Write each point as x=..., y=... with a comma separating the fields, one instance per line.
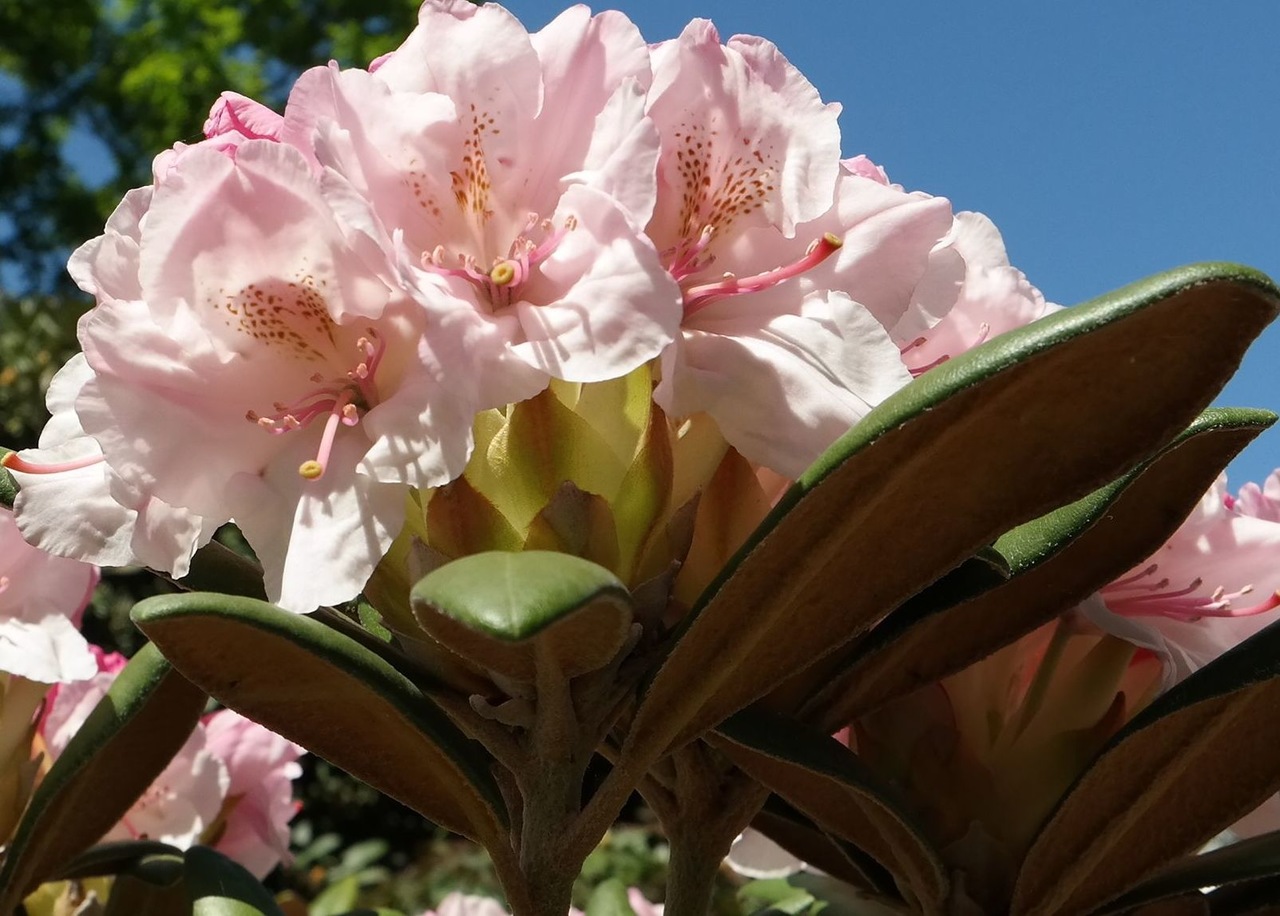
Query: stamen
x=4, y=584
x=340, y=401
x=1152, y=600
x=13, y=462
x=689, y=260
x=698, y=297
x=1128, y=580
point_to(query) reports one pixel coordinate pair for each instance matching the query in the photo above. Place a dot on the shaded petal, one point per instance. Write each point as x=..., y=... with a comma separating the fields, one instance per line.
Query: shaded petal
x=782, y=387
x=318, y=540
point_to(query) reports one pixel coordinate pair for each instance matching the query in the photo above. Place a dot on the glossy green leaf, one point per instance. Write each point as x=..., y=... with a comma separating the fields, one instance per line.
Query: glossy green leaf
x=984, y=442
x=826, y=782
x=332, y=695
x=609, y=899
x=1056, y=561
x=507, y=612
x=220, y=887
x=1187, y=767
x=1247, y=860
x=126, y=742
x=8, y=486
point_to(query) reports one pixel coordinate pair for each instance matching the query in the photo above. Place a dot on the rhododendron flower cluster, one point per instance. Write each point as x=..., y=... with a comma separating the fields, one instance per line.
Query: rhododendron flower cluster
x=229, y=786
x=312, y=307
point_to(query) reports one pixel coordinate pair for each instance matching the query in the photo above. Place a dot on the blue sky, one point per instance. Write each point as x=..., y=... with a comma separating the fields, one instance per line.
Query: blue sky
x=1108, y=140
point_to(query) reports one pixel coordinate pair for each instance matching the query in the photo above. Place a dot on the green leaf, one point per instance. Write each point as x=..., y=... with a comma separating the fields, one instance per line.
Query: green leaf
x=774, y=895
x=609, y=899
x=113, y=858
x=827, y=782
x=336, y=898
x=335, y=697
x=1056, y=561
x=126, y=742
x=220, y=887
x=986, y=441
x=1247, y=860
x=1185, y=768
x=511, y=612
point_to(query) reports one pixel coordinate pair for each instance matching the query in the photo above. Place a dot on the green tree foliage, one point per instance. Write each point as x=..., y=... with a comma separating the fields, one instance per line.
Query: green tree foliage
x=90, y=91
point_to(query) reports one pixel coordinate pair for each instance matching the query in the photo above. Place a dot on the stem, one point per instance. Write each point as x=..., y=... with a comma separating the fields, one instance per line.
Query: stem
x=710, y=803
x=691, y=875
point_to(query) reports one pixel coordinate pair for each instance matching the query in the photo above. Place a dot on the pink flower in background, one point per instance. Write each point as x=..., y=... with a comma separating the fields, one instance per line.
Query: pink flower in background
x=184, y=799
x=1211, y=586
x=259, y=803
x=256, y=366
x=1259, y=501
x=230, y=786
x=42, y=598
x=508, y=176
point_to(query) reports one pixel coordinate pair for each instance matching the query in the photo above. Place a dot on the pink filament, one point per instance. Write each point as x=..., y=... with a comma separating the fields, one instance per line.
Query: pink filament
x=1153, y=598
x=702, y=295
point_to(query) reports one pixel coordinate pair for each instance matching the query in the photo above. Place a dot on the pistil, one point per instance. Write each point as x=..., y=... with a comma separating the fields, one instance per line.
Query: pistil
x=502, y=280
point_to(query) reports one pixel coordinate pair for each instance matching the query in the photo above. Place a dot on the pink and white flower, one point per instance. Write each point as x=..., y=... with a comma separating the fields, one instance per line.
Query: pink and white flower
x=969, y=295
x=775, y=246
x=184, y=799
x=259, y=801
x=507, y=176
x=255, y=365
